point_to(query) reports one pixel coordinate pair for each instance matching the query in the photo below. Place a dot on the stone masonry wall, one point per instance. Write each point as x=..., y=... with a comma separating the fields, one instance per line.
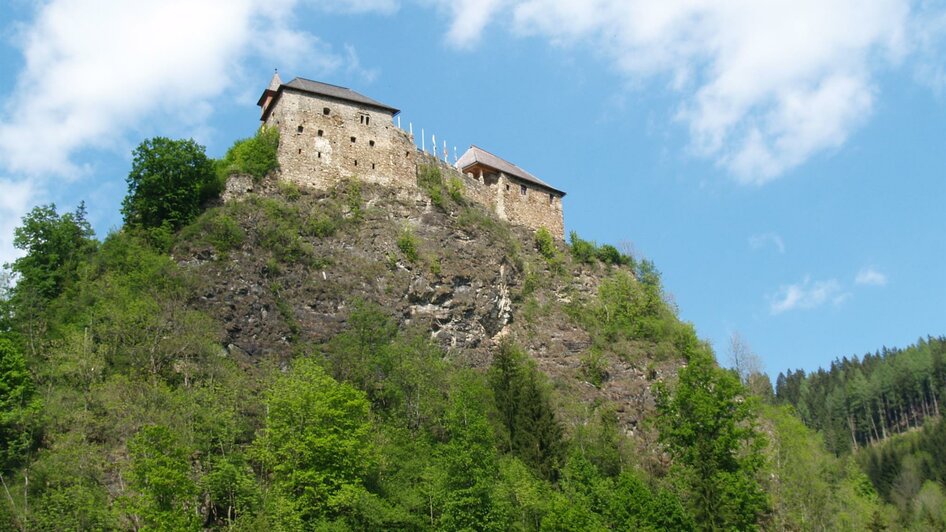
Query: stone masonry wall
x=531, y=206
x=503, y=195
x=319, y=150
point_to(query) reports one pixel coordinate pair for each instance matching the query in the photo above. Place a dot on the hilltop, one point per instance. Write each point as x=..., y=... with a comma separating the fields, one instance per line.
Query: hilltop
x=251, y=353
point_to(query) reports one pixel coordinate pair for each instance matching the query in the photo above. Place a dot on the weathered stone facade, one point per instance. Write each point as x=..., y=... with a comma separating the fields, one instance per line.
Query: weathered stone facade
x=330, y=133
x=319, y=148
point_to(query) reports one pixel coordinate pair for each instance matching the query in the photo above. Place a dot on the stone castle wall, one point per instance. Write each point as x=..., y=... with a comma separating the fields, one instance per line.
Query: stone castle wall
x=323, y=141
x=504, y=195
x=319, y=148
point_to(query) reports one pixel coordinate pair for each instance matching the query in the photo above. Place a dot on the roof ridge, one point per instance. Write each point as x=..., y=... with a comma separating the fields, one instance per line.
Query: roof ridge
x=322, y=83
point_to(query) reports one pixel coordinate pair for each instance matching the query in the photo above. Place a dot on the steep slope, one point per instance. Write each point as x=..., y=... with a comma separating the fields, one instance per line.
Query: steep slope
x=282, y=268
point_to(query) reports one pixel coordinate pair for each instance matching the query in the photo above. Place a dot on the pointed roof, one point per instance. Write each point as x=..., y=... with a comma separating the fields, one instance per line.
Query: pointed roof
x=323, y=89
x=476, y=155
x=275, y=82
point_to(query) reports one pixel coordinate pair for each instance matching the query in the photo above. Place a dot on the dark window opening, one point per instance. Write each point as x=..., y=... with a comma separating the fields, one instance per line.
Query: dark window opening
x=507, y=188
x=371, y=143
x=356, y=162
x=320, y=133
x=372, y=166
x=367, y=120
x=522, y=190
x=353, y=139
x=325, y=111
x=551, y=199
x=320, y=155
x=300, y=150
x=299, y=129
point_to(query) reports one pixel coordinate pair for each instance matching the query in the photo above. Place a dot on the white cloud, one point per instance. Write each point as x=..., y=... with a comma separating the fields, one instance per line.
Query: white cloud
x=469, y=19
x=807, y=295
x=15, y=200
x=96, y=72
x=870, y=277
x=93, y=71
x=767, y=239
x=763, y=85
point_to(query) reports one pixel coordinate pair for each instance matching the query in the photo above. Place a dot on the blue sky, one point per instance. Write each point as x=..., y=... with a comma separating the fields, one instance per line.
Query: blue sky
x=782, y=162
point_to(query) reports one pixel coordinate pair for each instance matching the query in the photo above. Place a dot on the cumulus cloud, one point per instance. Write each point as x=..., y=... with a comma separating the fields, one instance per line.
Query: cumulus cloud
x=763, y=86
x=14, y=202
x=767, y=239
x=806, y=295
x=870, y=277
x=92, y=72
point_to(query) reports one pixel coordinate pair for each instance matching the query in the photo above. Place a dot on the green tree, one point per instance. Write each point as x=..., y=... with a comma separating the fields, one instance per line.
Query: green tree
x=316, y=445
x=19, y=406
x=708, y=425
x=55, y=246
x=161, y=476
x=468, y=464
x=532, y=431
x=168, y=183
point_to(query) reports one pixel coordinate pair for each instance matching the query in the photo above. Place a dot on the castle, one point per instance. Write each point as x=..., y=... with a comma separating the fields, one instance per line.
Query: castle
x=329, y=133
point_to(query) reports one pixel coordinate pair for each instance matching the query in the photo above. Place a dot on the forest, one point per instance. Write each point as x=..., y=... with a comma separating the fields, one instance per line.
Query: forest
x=123, y=410
x=884, y=408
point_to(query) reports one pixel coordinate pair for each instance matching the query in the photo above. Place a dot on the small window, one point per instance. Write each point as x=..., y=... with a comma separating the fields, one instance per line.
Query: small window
x=522, y=190
x=367, y=120
x=320, y=155
x=299, y=129
x=326, y=111
x=507, y=188
x=320, y=132
x=356, y=162
x=353, y=140
x=300, y=150
x=372, y=166
x=371, y=143
x=551, y=199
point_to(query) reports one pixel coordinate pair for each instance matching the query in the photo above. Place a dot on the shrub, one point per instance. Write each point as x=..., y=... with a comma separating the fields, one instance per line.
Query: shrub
x=609, y=254
x=430, y=179
x=321, y=225
x=583, y=250
x=407, y=243
x=455, y=189
x=217, y=229
x=255, y=156
x=289, y=190
x=545, y=243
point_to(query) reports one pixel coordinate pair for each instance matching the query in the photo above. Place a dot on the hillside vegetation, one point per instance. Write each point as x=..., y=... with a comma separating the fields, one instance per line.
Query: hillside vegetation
x=372, y=359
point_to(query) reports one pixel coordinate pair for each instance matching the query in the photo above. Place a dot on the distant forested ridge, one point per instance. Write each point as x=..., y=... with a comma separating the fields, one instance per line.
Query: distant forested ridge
x=859, y=401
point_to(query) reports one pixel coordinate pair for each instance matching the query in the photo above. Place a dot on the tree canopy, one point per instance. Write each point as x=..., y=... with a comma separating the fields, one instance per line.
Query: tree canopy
x=168, y=183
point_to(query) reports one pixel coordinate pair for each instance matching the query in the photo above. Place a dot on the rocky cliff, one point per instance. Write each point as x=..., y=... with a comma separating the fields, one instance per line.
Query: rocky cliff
x=281, y=267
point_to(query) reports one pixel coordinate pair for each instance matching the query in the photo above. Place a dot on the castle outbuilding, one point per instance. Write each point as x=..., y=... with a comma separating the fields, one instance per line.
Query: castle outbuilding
x=520, y=197
x=329, y=133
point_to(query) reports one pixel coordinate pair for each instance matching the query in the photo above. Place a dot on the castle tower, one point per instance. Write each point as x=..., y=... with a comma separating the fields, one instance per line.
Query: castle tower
x=328, y=133
x=269, y=94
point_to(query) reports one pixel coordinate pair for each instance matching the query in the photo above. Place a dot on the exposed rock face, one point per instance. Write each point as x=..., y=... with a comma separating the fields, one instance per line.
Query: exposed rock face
x=475, y=281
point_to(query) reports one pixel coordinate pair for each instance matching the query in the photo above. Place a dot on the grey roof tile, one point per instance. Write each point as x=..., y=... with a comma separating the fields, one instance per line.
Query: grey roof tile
x=478, y=155
x=334, y=91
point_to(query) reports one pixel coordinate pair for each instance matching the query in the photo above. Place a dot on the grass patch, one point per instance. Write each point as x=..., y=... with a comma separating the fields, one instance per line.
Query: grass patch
x=215, y=228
